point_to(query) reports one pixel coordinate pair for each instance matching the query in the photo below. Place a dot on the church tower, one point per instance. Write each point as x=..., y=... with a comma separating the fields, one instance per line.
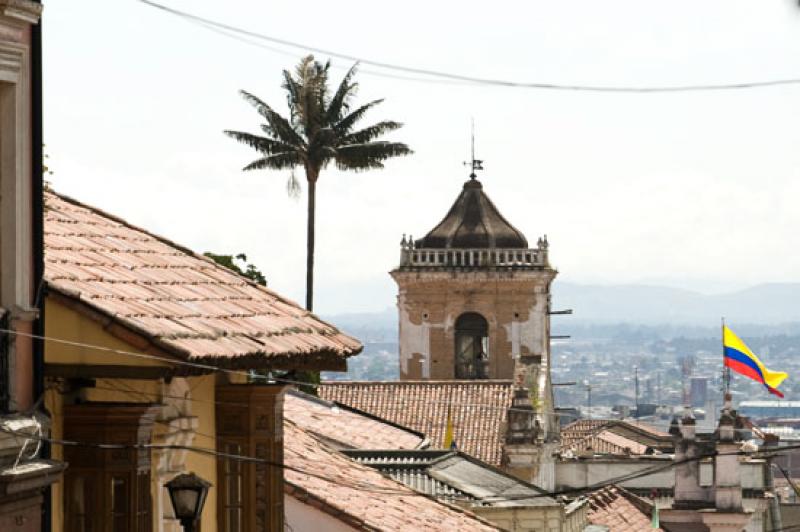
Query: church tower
x=473, y=296
x=474, y=303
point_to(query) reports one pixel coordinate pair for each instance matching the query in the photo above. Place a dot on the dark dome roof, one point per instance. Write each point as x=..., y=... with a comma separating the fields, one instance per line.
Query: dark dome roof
x=473, y=222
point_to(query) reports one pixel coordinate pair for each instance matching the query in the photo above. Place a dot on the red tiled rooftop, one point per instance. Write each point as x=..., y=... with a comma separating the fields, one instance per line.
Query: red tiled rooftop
x=640, y=433
x=478, y=409
x=605, y=442
x=361, y=496
x=182, y=302
x=620, y=510
x=344, y=428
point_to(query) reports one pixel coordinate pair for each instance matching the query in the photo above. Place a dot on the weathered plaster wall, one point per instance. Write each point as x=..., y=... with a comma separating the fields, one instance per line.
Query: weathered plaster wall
x=514, y=304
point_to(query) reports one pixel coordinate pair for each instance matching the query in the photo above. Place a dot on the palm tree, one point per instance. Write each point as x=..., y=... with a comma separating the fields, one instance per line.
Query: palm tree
x=320, y=130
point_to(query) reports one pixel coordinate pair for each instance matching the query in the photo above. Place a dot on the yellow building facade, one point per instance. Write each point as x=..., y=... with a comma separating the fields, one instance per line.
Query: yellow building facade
x=148, y=354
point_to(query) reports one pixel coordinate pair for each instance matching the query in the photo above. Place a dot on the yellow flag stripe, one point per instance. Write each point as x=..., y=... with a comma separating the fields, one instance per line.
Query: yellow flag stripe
x=771, y=378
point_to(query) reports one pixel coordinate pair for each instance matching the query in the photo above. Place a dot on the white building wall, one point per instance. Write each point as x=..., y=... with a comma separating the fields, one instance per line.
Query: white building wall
x=301, y=517
x=582, y=473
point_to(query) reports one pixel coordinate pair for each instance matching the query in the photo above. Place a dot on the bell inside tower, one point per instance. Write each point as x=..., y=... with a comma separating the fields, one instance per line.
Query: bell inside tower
x=472, y=346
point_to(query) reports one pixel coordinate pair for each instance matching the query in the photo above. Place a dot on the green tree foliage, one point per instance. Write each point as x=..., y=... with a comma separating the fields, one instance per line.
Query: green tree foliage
x=321, y=129
x=248, y=270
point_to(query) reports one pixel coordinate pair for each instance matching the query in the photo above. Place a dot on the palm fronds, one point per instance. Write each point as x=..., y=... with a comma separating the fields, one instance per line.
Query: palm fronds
x=320, y=130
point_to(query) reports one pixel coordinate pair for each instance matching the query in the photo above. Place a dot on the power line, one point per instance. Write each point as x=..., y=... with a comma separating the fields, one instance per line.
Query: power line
x=435, y=75
x=368, y=486
x=201, y=450
x=211, y=368
x=364, y=486
x=368, y=72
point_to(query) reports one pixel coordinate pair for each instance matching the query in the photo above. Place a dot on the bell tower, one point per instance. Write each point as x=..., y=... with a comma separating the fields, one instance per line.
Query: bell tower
x=474, y=300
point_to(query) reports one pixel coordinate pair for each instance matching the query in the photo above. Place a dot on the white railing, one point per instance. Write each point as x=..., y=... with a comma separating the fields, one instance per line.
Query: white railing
x=473, y=258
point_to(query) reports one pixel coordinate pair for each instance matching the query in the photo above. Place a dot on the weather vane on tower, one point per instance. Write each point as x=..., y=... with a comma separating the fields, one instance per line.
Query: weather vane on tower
x=476, y=164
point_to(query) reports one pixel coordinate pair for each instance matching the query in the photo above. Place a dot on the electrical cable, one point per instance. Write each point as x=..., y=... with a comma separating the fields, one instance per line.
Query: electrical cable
x=245, y=458
x=368, y=72
x=211, y=368
x=197, y=450
x=361, y=486
x=209, y=23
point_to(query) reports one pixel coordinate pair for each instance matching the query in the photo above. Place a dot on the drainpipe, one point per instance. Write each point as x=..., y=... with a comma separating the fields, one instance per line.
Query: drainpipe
x=37, y=233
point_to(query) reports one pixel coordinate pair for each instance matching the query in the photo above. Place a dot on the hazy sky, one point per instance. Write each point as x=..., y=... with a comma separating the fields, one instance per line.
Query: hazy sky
x=694, y=190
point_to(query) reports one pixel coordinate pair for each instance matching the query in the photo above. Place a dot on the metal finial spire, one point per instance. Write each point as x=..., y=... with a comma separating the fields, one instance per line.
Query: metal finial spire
x=476, y=164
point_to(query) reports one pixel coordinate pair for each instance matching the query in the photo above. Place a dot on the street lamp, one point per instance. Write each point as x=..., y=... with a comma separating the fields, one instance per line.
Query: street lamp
x=188, y=495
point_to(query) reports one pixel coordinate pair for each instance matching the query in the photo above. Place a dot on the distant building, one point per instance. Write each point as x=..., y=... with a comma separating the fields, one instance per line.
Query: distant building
x=770, y=409
x=698, y=391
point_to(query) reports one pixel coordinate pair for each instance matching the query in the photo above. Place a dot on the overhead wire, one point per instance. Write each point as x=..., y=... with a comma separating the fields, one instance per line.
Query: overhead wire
x=368, y=486
x=241, y=373
x=434, y=75
x=207, y=367
x=568, y=491
x=251, y=42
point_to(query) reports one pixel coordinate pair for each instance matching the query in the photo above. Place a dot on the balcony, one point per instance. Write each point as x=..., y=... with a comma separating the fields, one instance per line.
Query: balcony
x=412, y=257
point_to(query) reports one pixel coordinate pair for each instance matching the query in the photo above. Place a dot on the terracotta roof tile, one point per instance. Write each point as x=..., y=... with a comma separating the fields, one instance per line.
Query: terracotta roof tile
x=183, y=302
x=345, y=428
x=478, y=408
x=640, y=433
x=361, y=496
x=605, y=442
x=620, y=510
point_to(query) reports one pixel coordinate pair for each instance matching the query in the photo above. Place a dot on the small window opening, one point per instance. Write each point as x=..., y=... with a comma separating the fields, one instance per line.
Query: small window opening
x=472, y=347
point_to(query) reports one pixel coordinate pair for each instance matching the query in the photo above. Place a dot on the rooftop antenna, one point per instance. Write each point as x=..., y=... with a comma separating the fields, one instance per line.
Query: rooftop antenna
x=476, y=164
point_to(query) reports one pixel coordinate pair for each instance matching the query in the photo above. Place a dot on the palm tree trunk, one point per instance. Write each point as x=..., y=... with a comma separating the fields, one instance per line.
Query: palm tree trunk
x=311, y=175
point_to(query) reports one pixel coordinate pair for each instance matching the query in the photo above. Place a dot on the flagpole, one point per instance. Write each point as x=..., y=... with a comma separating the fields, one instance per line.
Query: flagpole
x=726, y=371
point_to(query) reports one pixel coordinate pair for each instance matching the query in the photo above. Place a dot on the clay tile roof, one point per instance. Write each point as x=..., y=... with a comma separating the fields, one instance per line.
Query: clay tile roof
x=580, y=429
x=606, y=442
x=361, y=496
x=620, y=510
x=184, y=303
x=473, y=222
x=478, y=409
x=346, y=428
x=638, y=432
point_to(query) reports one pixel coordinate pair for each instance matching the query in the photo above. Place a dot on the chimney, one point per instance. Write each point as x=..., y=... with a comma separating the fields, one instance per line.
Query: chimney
x=688, y=492
x=727, y=475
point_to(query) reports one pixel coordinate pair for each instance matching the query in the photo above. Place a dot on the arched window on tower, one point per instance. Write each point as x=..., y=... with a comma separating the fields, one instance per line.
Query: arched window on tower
x=472, y=346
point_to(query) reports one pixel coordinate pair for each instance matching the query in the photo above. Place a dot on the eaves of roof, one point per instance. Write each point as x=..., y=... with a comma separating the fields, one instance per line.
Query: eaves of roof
x=167, y=300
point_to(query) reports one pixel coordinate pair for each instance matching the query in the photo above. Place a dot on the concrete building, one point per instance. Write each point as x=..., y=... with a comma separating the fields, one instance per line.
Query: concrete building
x=698, y=391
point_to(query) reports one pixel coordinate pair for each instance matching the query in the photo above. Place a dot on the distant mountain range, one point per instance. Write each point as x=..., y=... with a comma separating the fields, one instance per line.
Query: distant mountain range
x=773, y=304
x=766, y=304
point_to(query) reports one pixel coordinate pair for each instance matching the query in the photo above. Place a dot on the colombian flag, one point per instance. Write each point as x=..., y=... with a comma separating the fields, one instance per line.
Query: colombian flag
x=740, y=359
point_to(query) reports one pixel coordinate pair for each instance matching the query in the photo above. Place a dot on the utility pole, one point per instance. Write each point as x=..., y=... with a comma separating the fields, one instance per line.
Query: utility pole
x=658, y=387
x=636, y=389
x=589, y=400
